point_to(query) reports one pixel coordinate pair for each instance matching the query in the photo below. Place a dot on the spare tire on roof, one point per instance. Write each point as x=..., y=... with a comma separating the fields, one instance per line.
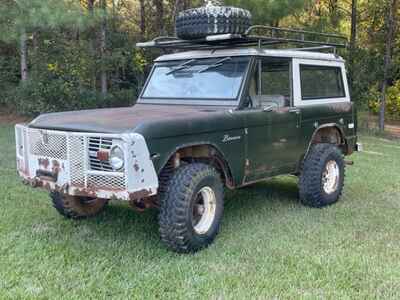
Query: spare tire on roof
x=200, y=22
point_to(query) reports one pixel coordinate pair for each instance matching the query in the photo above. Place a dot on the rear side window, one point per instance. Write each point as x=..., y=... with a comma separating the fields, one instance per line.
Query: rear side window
x=321, y=82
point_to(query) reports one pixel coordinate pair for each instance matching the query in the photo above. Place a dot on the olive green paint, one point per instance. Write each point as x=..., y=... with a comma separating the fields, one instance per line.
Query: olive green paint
x=273, y=142
x=256, y=144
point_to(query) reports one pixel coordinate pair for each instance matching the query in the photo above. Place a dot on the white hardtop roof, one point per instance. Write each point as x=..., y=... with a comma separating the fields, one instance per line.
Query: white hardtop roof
x=250, y=52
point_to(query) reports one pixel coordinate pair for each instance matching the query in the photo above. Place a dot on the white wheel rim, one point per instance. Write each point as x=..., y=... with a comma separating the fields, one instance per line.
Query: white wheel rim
x=330, y=177
x=204, y=210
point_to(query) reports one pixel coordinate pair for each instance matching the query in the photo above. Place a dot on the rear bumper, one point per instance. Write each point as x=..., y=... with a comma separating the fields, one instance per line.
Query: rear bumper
x=62, y=161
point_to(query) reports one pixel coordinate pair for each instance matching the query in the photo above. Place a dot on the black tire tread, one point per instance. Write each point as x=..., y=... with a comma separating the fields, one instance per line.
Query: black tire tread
x=310, y=189
x=174, y=205
x=197, y=23
x=65, y=208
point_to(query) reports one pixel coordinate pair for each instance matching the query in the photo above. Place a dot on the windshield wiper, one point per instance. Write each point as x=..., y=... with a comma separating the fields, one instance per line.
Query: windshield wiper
x=182, y=66
x=217, y=64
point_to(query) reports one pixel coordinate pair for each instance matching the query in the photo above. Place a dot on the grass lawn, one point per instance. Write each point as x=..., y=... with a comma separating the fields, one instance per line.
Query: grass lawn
x=270, y=246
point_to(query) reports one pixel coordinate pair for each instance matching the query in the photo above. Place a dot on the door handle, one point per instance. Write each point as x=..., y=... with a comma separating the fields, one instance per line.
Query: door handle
x=268, y=108
x=294, y=110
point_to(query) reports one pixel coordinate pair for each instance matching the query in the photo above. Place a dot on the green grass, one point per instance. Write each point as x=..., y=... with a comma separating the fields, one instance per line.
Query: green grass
x=270, y=246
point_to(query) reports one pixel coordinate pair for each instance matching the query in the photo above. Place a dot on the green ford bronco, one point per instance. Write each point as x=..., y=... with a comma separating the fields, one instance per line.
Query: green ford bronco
x=226, y=112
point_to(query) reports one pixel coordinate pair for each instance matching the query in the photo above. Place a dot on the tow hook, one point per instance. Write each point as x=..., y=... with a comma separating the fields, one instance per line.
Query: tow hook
x=349, y=162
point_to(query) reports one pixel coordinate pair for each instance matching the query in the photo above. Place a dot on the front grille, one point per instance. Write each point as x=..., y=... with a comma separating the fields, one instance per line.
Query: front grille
x=77, y=160
x=96, y=144
x=48, y=145
x=79, y=150
x=106, y=182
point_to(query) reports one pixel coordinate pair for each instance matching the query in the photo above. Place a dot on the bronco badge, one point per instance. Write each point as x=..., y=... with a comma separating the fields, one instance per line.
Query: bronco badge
x=228, y=138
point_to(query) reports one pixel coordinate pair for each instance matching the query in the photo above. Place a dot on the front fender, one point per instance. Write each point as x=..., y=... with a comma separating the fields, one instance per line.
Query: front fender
x=232, y=152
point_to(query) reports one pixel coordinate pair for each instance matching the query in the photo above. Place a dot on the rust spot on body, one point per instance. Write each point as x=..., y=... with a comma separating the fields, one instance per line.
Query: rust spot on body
x=44, y=162
x=341, y=107
x=85, y=192
x=21, y=168
x=56, y=167
x=103, y=155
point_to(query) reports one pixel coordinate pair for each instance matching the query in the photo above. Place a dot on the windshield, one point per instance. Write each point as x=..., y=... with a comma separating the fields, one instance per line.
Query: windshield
x=202, y=79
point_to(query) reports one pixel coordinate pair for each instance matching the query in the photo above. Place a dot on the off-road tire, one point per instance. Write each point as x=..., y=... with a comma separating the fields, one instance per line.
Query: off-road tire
x=73, y=207
x=175, y=218
x=311, y=189
x=200, y=22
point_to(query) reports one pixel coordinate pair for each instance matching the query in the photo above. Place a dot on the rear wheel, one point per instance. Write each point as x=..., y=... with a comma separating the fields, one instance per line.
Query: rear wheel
x=74, y=207
x=191, y=208
x=322, y=176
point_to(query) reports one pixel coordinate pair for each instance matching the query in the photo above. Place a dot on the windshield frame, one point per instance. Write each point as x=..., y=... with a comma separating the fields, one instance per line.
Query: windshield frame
x=198, y=101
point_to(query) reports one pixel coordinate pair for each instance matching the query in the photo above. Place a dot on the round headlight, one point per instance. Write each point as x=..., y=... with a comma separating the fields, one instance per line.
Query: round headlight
x=117, y=158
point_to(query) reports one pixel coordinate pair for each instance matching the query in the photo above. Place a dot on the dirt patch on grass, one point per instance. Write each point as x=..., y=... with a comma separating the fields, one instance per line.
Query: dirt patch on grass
x=371, y=122
x=393, y=130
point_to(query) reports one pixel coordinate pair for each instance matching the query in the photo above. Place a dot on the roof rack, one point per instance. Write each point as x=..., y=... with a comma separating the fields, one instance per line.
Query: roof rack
x=257, y=35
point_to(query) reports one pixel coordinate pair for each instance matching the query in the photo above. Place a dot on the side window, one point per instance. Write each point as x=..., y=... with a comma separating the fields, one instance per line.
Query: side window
x=321, y=82
x=275, y=82
x=275, y=78
x=270, y=84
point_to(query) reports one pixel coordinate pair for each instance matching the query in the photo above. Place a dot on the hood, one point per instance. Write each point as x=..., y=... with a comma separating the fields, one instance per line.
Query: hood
x=119, y=120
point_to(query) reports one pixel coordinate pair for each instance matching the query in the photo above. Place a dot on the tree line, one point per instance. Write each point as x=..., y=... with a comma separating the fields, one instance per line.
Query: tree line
x=74, y=54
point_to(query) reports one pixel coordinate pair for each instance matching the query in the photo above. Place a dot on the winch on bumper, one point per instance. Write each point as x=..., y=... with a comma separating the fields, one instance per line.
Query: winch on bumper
x=79, y=164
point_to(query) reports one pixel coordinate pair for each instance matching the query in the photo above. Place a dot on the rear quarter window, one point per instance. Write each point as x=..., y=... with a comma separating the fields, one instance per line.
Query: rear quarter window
x=321, y=82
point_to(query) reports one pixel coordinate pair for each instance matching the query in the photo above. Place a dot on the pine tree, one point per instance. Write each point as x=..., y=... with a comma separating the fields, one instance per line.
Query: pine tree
x=159, y=6
x=22, y=18
x=391, y=24
x=269, y=11
x=103, y=48
x=143, y=19
x=353, y=40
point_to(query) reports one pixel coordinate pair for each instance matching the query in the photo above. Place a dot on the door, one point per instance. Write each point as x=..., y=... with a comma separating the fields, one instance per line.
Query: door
x=273, y=124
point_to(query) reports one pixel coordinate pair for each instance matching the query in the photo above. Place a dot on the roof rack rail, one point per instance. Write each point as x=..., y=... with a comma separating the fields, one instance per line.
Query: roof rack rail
x=257, y=35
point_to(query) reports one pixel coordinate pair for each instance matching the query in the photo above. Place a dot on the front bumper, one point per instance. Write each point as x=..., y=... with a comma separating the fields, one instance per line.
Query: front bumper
x=63, y=162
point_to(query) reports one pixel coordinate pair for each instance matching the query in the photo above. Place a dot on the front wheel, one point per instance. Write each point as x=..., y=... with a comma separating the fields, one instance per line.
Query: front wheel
x=191, y=208
x=322, y=176
x=73, y=207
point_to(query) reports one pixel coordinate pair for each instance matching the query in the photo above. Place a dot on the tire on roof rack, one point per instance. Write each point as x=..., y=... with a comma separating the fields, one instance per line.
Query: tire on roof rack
x=200, y=22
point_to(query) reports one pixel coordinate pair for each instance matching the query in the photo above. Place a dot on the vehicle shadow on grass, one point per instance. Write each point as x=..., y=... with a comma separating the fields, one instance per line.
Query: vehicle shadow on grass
x=282, y=190
x=119, y=222
x=275, y=196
